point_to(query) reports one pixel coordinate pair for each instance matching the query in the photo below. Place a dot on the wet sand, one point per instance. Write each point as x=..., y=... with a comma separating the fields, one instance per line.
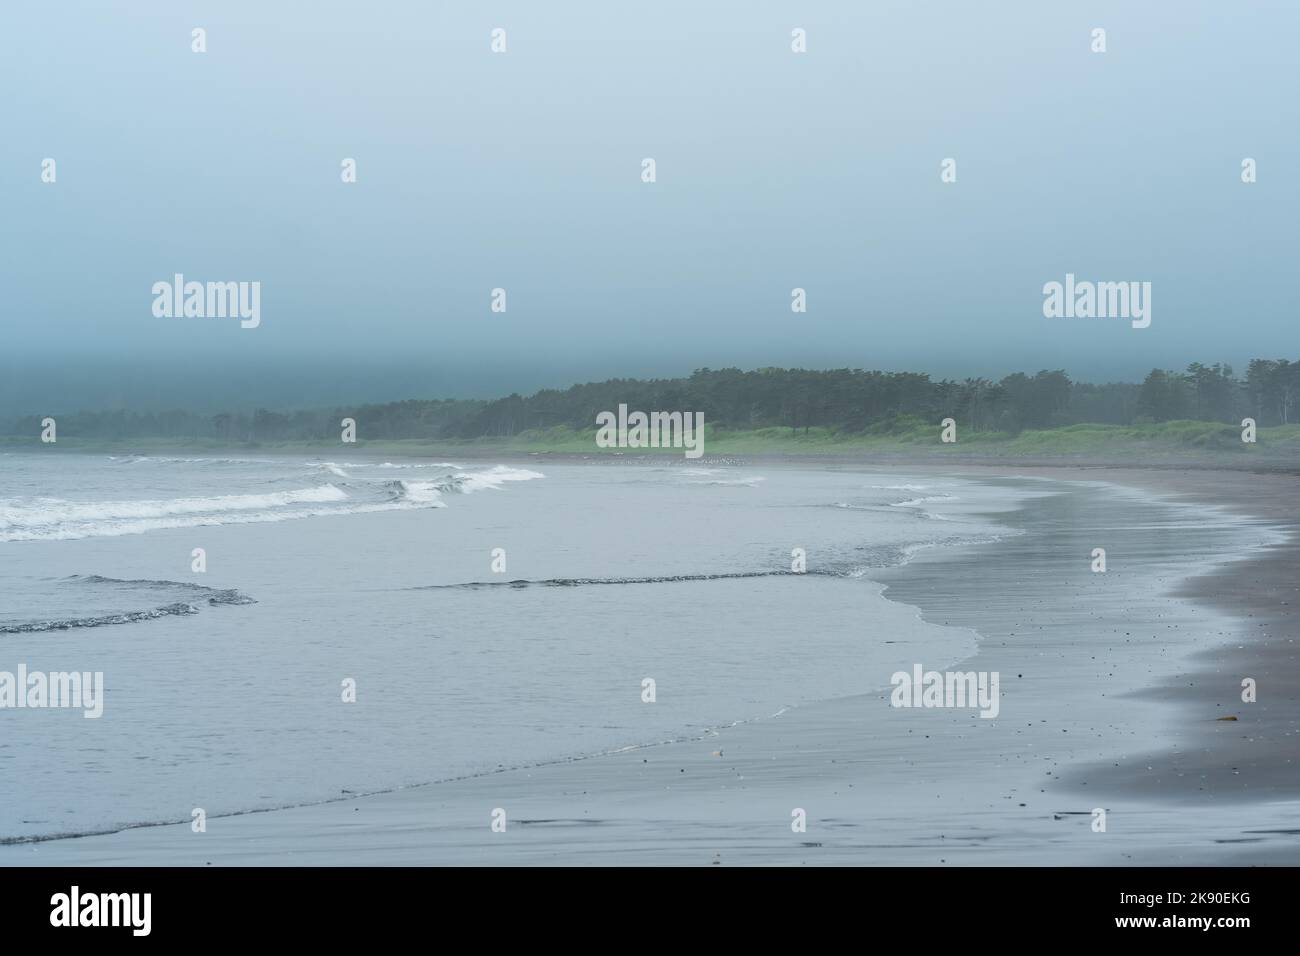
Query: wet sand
x=1212, y=762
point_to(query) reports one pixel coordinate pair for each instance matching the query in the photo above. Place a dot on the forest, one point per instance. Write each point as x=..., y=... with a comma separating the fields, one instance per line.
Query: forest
x=843, y=400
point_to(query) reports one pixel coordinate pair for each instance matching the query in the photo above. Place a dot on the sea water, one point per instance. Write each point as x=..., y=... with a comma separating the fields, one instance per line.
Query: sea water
x=487, y=614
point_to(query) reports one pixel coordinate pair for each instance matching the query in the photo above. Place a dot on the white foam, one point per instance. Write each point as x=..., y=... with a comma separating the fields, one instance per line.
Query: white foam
x=913, y=502
x=46, y=511
x=422, y=492
x=57, y=519
x=414, y=464
x=471, y=481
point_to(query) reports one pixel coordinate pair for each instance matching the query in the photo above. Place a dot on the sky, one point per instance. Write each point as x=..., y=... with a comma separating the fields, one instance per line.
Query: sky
x=775, y=170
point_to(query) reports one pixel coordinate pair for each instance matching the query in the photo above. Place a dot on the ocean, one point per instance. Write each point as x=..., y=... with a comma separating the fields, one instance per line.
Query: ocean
x=489, y=615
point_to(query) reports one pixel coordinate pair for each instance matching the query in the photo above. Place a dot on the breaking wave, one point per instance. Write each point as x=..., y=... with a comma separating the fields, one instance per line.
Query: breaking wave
x=418, y=492
x=55, y=519
x=40, y=518
x=493, y=478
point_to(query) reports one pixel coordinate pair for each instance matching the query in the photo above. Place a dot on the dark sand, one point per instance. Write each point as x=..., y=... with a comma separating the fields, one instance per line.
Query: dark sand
x=1256, y=757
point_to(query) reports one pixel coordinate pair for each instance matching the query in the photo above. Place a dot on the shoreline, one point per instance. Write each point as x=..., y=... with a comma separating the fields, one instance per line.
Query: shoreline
x=1250, y=757
x=329, y=833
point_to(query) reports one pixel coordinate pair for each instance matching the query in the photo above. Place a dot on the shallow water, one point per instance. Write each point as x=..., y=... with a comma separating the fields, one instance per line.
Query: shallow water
x=223, y=688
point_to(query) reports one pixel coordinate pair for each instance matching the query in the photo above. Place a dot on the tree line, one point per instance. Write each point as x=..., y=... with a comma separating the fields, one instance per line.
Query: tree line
x=845, y=400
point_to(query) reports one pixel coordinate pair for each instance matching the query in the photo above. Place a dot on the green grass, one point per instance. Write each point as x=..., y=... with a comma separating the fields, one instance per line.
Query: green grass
x=907, y=437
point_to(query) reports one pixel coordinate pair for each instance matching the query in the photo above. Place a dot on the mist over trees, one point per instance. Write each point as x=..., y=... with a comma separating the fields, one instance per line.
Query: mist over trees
x=846, y=400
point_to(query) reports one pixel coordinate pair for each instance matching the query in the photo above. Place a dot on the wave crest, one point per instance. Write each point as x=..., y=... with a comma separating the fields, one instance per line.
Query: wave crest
x=115, y=601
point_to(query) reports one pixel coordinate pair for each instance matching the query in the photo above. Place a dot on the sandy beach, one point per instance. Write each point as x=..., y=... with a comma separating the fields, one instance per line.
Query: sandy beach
x=1112, y=690
x=1207, y=764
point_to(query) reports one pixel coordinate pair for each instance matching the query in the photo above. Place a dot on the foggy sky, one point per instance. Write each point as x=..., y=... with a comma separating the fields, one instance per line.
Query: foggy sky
x=775, y=170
